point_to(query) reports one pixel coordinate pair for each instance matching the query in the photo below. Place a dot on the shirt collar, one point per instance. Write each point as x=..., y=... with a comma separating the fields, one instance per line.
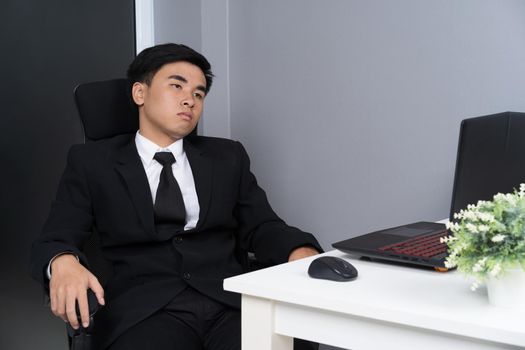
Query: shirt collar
x=147, y=149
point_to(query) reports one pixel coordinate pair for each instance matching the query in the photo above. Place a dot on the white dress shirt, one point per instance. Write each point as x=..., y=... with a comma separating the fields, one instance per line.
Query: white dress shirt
x=181, y=170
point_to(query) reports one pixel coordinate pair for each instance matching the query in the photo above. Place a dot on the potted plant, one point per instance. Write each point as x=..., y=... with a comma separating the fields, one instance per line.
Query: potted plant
x=487, y=242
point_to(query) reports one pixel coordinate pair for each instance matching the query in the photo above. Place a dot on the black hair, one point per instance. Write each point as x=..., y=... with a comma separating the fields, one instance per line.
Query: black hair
x=150, y=60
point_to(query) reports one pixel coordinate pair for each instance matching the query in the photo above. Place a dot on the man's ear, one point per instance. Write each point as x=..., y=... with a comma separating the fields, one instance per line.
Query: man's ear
x=137, y=92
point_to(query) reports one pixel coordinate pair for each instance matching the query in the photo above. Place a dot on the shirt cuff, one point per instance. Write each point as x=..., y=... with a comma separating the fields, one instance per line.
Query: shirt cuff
x=48, y=271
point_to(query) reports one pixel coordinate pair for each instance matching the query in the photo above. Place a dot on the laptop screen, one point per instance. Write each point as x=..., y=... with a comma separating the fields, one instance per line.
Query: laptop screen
x=490, y=159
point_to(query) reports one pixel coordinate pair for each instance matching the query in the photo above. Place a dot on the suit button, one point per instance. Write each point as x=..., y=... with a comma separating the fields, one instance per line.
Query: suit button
x=186, y=275
x=178, y=239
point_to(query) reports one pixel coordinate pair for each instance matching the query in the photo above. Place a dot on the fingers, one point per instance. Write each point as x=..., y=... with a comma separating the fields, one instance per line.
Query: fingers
x=63, y=301
x=63, y=305
x=95, y=286
x=71, y=312
x=58, y=305
x=68, y=287
x=84, y=308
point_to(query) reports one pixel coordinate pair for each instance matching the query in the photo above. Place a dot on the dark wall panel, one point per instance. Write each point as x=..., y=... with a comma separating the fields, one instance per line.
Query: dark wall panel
x=46, y=48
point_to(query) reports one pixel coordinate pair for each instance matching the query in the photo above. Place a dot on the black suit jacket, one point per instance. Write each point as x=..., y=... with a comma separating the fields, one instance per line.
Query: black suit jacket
x=104, y=187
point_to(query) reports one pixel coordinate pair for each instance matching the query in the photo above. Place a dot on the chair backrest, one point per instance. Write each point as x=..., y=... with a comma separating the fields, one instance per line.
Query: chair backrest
x=106, y=109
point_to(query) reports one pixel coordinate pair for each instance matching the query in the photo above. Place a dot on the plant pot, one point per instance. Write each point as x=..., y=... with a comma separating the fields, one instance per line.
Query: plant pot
x=507, y=290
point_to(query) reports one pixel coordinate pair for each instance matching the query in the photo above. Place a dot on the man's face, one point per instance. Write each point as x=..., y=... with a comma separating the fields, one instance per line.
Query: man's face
x=170, y=107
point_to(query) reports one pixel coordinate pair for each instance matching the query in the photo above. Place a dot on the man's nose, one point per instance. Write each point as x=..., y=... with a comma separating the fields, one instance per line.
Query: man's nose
x=188, y=101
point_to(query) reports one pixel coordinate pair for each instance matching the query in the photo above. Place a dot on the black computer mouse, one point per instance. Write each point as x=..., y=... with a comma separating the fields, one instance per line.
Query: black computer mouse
x=332, y=268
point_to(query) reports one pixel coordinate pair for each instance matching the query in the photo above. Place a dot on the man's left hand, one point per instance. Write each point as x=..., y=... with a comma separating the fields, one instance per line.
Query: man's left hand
x=302, y=252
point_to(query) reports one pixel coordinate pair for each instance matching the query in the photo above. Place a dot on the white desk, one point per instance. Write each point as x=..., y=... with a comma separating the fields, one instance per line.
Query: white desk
x=387, y=307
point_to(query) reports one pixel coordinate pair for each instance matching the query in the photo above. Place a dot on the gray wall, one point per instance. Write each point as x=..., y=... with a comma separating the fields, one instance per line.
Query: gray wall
x=350, y=110
x=202, y=25
x=178, y=21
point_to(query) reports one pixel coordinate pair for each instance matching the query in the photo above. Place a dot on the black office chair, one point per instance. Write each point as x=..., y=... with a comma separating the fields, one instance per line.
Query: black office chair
x=106, y=110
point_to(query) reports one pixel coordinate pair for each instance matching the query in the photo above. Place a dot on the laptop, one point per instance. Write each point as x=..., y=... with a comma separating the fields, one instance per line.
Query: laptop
x=490, y=159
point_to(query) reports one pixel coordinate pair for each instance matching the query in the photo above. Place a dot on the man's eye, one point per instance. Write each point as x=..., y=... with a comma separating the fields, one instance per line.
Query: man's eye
x=177, y=86
x=198, y=96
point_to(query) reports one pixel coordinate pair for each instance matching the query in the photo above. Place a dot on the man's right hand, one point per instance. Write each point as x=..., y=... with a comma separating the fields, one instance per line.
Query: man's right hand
x=68, y=285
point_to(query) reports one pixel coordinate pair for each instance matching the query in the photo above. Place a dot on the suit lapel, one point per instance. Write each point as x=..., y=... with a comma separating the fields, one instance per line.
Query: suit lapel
x=130, y=167
x=202, y=169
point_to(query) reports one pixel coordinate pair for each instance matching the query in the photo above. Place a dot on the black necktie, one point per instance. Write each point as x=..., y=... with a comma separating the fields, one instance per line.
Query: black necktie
x=169, y=205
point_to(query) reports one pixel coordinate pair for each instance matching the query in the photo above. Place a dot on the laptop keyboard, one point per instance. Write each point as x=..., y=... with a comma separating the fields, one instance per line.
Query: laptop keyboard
x=426, y=246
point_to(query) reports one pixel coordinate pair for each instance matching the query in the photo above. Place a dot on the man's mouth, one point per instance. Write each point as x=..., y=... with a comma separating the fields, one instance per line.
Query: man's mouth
x=185, y=115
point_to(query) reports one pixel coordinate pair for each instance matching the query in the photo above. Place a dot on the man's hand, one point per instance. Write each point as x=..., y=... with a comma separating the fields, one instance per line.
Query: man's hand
x=302, y=252
x=69, y=284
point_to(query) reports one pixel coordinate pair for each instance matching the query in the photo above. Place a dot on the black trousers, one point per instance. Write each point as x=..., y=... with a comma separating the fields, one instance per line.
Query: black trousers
x=191, y=321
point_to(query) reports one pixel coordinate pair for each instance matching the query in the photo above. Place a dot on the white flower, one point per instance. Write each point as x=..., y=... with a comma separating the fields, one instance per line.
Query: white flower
x=486, y=217
x=511, y=199
x=477, y=268
x=449, y=264
x=483, y=228
x=474, y=286
x=471, y=227
x=451, y=260
x=499, y=196
x=495, y=270
x=447, y=239
x=470, y=215
x=498, y=238
x=453, y=226
x=479, y=265
x=522, y=190
x=487, y=226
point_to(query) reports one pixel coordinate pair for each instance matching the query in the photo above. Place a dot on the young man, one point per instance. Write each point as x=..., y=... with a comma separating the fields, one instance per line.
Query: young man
x=171, y=213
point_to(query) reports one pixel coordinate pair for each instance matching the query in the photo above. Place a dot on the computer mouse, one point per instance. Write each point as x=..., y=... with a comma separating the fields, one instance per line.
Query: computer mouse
x=332, y=268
